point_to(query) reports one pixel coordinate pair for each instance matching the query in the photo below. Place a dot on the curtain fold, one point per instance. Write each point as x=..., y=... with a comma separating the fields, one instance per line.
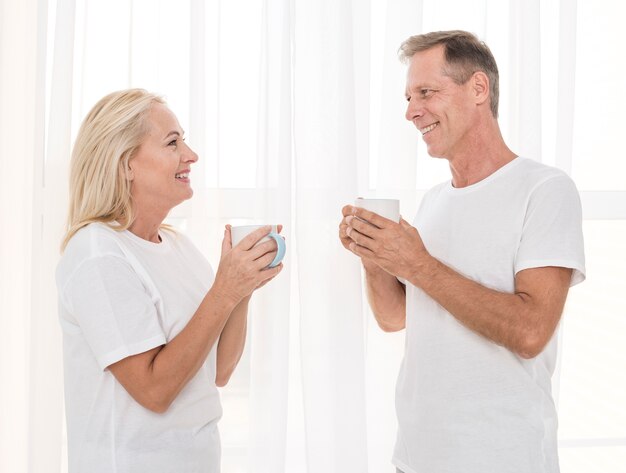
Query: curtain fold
x=46, y=384
x=524, y=111
x=270, y=315
x=23, y=361
x=566, y=84
x=398, y=142
x=326, y=167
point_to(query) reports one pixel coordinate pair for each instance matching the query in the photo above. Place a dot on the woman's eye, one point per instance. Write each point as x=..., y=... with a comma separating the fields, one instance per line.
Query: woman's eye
x=175, y=141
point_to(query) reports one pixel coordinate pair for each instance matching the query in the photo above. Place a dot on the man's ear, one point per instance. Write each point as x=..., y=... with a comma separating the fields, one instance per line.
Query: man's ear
x=480, y=87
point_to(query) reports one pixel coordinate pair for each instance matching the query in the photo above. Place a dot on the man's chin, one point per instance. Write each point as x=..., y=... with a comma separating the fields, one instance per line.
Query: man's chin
x=435, y=154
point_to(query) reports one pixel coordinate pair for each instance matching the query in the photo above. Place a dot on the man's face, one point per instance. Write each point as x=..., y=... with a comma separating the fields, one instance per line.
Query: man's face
x=439, y=108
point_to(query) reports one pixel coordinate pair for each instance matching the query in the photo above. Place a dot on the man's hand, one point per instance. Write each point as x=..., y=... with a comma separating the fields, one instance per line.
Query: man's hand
x=385, y=294
x=395, y=247
x=346, y=211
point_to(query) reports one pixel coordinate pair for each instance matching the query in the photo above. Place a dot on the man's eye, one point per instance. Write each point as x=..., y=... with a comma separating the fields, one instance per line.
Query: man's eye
x=426, y=92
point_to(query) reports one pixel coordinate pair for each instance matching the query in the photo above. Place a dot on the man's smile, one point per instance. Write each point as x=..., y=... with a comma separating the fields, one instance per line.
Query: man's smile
x=428, y=128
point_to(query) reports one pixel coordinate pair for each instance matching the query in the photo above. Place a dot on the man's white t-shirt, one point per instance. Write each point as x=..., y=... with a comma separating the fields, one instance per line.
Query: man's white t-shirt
x=120, y=295
x=464, y=403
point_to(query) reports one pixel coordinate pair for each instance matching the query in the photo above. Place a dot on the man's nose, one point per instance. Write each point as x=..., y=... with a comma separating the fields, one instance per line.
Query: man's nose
x=413, y=110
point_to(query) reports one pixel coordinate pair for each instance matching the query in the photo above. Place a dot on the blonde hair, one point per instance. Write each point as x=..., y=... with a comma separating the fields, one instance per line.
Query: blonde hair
x=464, y=54
x=107, y=140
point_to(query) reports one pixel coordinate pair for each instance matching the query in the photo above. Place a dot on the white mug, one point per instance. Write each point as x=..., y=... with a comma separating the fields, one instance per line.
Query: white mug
x=239, y=232
x=388, y=208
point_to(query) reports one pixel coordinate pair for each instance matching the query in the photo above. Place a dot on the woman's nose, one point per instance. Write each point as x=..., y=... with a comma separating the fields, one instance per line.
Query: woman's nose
x=189, y=155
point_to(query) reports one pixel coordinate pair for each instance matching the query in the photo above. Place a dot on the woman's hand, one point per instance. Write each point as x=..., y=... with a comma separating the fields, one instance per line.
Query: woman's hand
x=243, y=269
x=279, y=229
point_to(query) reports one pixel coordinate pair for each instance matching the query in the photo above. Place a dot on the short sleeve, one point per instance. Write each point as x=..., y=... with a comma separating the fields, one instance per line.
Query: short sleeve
x=113, y=309
x=552, y=232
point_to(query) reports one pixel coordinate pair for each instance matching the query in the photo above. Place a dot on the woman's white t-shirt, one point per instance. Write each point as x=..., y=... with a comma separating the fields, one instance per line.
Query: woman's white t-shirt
x=465, y=404
x=120, y=295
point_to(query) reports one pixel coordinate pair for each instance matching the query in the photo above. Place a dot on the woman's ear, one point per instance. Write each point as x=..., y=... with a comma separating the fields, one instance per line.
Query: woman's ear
x=127, y=170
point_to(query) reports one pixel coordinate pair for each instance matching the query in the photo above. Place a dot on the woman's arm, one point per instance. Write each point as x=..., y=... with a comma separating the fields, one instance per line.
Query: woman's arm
x=233, y=338
x=232, y=342
x=154, y=378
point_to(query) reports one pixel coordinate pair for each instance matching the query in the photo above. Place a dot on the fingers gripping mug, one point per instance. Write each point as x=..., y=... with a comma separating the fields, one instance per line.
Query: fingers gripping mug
x=238, y=233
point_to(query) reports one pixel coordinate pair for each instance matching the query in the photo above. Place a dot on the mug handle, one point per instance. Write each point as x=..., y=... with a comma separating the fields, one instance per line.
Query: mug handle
x=280, y=253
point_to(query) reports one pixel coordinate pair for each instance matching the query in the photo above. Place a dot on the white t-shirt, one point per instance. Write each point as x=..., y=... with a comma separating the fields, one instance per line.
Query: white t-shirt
x=464, y=403
x=120, y=295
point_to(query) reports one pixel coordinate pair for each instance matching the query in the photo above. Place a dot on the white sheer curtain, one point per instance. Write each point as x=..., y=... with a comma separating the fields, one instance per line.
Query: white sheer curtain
x=295, y=108
x=30, y=203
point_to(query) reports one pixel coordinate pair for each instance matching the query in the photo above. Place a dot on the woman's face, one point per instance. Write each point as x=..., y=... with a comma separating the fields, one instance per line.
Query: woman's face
x=160, y=169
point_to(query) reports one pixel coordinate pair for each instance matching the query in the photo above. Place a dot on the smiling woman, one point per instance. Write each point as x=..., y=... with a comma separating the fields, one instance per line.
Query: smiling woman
x=149, y=331
x=159, y=171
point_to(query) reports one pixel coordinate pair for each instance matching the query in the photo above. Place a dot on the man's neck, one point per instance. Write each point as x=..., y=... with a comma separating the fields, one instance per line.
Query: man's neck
x=484, y=155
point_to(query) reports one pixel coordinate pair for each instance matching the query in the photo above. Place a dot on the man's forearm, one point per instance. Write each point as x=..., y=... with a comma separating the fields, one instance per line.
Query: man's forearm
x=387, y=298
x=523, y=321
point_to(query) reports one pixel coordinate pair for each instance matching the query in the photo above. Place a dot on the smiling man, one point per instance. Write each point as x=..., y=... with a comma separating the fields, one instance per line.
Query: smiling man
x=479, y=280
